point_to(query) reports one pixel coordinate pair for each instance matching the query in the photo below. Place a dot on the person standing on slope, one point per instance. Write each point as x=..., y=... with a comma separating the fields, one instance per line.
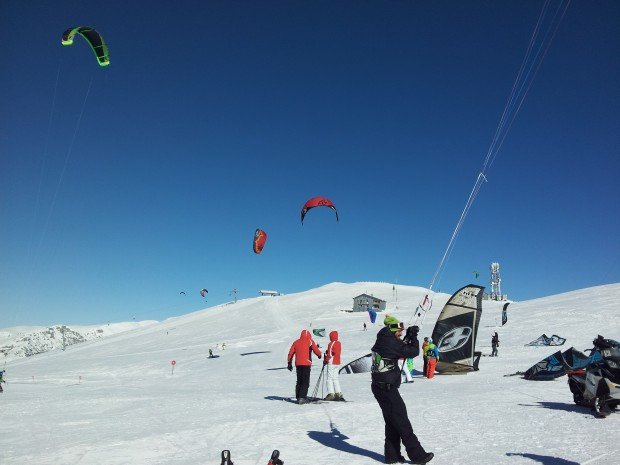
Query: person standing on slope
x=332, y=360
x=424, y=346
x=386, y=352
x=432, y=354
x=2, y=380
x=302, y=350
x=494, y=345
x=408, y=370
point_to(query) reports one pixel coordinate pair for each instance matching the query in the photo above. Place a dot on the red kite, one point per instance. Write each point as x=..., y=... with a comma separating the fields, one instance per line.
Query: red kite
x=317, y=202
x=260, y=237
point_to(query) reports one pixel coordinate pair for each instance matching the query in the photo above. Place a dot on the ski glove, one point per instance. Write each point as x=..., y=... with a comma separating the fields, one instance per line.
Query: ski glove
x=412, y=332
x=290, y=366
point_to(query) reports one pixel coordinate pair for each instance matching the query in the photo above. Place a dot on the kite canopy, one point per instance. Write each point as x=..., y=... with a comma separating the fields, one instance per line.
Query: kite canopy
x=319, y=332
x=93, y=38
x=505, y=313
x=317, y=202
x=203, y=292
x=260, y=237
x=545, y=340
x=456, y=330
x=360, y=365
x=557, y=364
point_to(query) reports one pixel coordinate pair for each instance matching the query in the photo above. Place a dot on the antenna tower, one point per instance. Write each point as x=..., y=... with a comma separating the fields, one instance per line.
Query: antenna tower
x=496, y=292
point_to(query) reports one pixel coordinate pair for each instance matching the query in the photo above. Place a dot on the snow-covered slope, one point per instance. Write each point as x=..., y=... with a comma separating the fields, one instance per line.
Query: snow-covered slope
x=25, y=341
x=117, y=400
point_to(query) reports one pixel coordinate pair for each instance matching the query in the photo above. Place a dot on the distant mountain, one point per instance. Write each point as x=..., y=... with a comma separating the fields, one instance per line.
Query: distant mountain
x=26, y=341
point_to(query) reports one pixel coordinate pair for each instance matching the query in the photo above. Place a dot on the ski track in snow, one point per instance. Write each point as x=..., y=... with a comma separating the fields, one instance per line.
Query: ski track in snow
x=128, y=407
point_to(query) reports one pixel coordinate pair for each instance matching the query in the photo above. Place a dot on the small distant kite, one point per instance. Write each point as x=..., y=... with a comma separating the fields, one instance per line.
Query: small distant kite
x=203, y=292
x=317, y=202
x=182, y=292
x=476, y=274
x=93, y=38
x=260, y=237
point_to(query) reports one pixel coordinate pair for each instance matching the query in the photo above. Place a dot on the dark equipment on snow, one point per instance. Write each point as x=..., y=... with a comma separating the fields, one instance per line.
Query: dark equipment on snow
x=545, y=340
x=559, y=363
x=598, y=385
x=275, y=458
x=226, y=458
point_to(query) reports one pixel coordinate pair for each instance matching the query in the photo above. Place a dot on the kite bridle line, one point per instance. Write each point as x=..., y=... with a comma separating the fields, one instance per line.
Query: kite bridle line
x=534, y=56
x=34, y=256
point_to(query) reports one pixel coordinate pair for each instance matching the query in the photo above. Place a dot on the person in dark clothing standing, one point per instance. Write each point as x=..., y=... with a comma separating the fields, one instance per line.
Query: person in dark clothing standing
x=386, y=352
x=302, y=350
x=494, y=345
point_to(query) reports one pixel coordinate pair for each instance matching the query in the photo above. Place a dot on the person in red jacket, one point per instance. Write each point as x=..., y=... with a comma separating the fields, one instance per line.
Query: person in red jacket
x=302, y=350
x=424, y=346
x=332, y=360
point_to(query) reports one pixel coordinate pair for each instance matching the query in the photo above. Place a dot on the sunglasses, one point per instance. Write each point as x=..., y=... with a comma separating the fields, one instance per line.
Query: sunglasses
x=399, y=326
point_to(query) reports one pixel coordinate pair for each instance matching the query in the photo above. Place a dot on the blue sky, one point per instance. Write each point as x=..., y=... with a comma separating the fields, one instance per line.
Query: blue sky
x=215, y=118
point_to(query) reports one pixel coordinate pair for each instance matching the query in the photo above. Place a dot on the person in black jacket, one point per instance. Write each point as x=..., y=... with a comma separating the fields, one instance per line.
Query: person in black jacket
x=386, y=353
x=494, y=345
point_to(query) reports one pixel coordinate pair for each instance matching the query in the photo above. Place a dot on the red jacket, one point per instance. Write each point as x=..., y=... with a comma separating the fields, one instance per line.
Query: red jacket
x=332, y=354
x=302, y=349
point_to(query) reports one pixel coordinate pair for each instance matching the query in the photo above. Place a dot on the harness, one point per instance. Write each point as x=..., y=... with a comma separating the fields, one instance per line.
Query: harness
x=384, y=386
x=382, y=365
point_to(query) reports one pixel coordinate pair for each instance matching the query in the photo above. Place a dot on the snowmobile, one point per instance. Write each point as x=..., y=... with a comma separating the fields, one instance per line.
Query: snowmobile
x=598, y=385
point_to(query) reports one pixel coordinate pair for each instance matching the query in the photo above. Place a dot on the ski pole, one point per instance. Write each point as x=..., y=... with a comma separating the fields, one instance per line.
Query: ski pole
x=316, y=388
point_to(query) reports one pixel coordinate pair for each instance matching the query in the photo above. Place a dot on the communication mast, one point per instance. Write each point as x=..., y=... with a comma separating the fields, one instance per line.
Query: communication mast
x=496, y=292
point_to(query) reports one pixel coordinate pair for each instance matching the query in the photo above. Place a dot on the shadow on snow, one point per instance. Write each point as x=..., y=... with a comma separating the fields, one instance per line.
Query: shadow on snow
x=336, y=440
x=544, y=459
x=557, y=406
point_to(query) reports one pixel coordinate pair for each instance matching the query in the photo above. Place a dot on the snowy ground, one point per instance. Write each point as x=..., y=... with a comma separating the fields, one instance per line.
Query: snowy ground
x=116, y=401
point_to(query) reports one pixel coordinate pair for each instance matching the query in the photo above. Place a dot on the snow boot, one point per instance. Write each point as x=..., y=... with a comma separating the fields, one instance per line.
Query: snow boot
x=427, y=457
x=400, y=459
x=303, y=400
x=330, y=396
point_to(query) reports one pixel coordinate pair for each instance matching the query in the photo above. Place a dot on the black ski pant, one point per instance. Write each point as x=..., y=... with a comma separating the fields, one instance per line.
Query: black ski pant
x=425, y=366
x=397, y=425
x=494, y=351
x=303, y=381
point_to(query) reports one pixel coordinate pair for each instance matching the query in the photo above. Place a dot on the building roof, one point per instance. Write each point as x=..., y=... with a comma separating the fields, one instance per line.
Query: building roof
x=369, y=296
